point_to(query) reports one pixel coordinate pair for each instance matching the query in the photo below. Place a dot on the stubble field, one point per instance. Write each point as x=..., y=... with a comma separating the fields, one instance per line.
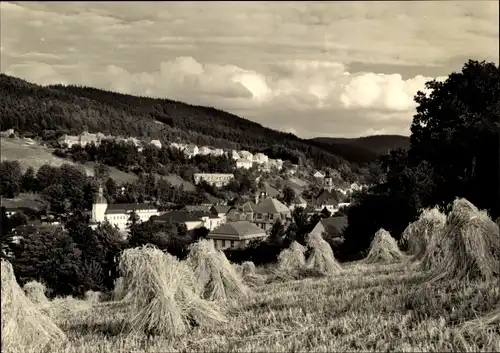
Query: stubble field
x=363, y=308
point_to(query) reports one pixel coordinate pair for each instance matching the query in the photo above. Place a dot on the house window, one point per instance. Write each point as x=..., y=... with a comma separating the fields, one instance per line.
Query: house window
x=233, y=243
x=259, y=215
x=271, y=216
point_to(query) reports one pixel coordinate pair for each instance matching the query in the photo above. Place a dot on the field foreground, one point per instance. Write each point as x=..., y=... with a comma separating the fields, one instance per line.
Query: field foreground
x=366, y=308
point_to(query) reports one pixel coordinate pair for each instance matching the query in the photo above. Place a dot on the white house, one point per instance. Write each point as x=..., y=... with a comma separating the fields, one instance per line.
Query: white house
x=244, y=163
x=260, y=158
x=246, y=155
x=156, y=143
x=318, y=175
x=216, y=179
x=217, y=152
x=204, y=150
x=119, y=214
x=234, y=154
x=191, y=150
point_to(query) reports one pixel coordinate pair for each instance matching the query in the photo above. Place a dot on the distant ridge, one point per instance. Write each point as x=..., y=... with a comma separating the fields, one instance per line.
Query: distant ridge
x=376, y=144
x=43, y=110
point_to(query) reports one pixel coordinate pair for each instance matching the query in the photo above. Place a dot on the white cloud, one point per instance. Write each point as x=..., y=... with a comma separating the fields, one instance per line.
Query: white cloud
x=284, y=65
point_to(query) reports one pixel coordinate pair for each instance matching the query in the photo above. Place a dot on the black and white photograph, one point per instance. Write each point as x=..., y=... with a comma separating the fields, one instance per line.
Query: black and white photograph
x=250, y=176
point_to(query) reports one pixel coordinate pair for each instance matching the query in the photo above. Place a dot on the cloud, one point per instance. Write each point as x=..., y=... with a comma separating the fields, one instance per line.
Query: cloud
x=290, y=66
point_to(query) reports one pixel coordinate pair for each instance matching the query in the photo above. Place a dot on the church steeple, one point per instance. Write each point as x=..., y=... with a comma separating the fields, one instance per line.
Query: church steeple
x=328, y=181
x=100, y=199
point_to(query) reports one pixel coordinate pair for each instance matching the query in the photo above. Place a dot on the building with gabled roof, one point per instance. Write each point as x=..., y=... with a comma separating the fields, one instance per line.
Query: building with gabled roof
x=268, y=211
x=236, y=235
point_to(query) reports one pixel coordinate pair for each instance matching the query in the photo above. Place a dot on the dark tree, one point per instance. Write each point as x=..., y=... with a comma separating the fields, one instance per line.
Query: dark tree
x=10, y=178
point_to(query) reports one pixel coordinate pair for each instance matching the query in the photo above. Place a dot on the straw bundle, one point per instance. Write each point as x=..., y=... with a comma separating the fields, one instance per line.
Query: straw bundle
x=216, y=278
x=383, y=249
x=93, y=297
x=321, y=257
x=250, y=275
x=292, y=258
x=470, y=245
x=120, y=290
x=24, y=328
x=35, y=291
x=160, y=293
x=418, y=234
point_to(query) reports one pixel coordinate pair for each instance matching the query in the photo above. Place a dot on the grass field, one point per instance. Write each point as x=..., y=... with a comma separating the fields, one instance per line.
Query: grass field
x=35, y=156
x=365, y=308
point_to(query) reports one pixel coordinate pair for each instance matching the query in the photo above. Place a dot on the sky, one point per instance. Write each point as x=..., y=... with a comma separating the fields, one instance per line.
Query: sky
x=342, y=69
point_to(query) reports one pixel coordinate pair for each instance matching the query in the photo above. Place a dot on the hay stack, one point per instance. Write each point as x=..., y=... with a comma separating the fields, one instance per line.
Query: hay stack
x=160, y=294
x=418, y=234
x=383, y=249
x=321, y=258
x=24, y=328
x=292, y=258
x=120, y=290
x=35, y=291
x=250, y=275
x=215, y=277
x=93, y=297
x=469, y=245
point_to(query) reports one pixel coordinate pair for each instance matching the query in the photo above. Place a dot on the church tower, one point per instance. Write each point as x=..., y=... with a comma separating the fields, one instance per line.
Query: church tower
x=328, y=182
x=99, y=207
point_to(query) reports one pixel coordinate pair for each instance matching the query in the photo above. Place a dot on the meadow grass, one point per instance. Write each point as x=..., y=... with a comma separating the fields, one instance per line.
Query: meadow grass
x=363, y=308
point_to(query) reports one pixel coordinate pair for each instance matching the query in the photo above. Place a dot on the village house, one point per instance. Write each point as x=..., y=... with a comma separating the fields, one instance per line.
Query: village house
x=119, y=214
x=299, y=201
x=246, y=155
x=191, y=150
x=156, y=143
x=215, y=179
x=244, y=163
x=234, y=155
x=266, y=191
x=217, y=152
x=236, y=235
x=318, y=175
x=243, y=212
x=268, y=211
x=221, y=211
x=328, y=197
x=332, y=226
x=204, y=151
x=260, y=158
x=191, y=219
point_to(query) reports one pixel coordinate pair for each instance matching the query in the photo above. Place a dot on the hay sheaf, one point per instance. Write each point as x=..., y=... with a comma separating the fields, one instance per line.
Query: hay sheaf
x=35, y=291
x=383, y=249
x=417, y=236
x=24, y=327
x=161, y=295
x=469, y=246
x=321, y=257
x=250, y=275
x=489, y=321
x=215, y=277
x=292, y=258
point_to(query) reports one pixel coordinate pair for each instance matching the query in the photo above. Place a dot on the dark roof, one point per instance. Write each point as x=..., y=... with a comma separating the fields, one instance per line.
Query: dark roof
x=128, y=207
x=248, y=207
x=222, y=208
x=176, y=217
x=327, y=197
x=271, y=205
x=239, y=230
x=334, y=224
x=269, y=190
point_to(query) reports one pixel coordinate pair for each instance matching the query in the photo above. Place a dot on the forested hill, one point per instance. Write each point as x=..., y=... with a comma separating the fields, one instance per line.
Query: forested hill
x=378, y=144
x=48, y=110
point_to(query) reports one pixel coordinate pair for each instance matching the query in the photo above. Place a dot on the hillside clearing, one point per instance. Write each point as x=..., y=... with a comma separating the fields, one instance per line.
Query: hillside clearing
x=363, y=308
x=34, y=155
